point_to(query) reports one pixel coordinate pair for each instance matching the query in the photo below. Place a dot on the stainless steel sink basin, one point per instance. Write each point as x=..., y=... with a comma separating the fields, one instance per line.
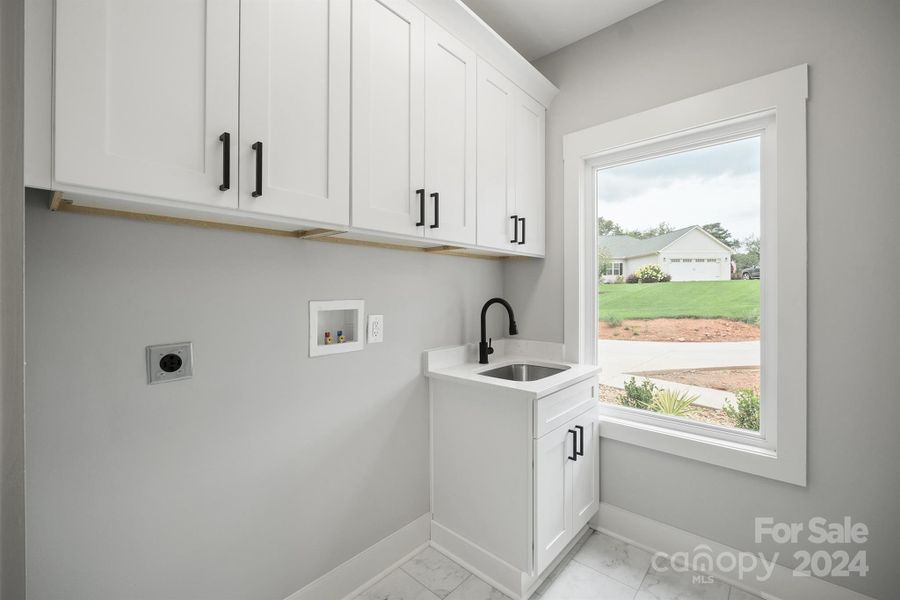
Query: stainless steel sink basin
x=523, y=372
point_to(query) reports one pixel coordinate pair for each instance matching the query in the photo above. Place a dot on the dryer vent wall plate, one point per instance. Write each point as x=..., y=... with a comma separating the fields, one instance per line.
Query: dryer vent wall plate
x=170, y=362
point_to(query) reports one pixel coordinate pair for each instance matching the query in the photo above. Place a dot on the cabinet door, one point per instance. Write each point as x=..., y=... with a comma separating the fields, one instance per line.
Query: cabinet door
x=585, y=471
x=449, y=137
x=552, y=494
x=528, y=177
x=495, y=186
x=295, y=100
x=388, y=116
x=144, y=89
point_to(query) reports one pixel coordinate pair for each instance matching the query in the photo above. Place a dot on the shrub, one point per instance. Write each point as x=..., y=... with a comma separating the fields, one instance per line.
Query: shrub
x=632, y=279
x=650, y=274
x=619, y=279
x=666, y=277
x=671, y=402
x=746, y=414
x=750, y=319
x=637, y=395
x=612, y=321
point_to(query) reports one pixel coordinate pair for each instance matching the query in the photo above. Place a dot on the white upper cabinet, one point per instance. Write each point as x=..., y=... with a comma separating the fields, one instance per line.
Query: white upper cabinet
x=510, y=165
x=450, y=93
x=496, y=188
x=144, y=91
x=413, y=125
x=363, y=115
x=528, y=143
x=295, y=104
x=388, y=117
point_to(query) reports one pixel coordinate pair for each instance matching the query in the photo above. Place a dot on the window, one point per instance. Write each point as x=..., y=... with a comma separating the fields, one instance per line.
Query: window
x=770, y=113
x=613, y=268
x=683, y=345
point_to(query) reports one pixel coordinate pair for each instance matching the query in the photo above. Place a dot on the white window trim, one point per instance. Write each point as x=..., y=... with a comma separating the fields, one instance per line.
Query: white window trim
x=779, y=450
x=615, y=265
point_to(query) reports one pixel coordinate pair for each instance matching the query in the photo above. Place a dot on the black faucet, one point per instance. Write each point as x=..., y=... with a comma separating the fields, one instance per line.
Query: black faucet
x=484, y=346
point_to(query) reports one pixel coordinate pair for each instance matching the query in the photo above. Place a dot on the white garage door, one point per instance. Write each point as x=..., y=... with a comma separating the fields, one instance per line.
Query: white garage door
x=694, y=269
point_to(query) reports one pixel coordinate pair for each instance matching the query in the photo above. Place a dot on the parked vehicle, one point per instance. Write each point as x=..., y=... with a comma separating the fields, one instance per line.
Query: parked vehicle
x=750, y=272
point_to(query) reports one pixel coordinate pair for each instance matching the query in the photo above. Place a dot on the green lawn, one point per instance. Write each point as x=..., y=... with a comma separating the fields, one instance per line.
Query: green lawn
x=726, y=299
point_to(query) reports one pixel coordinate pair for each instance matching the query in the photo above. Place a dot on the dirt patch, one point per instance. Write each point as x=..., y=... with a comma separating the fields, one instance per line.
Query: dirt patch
x=728, y=380
x=608, y=394
x=703, y=414
x=712, y=415
x=679, y=330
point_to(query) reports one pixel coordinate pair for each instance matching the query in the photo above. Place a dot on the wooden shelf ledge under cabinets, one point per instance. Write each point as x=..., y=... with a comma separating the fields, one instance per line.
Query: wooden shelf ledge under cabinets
x=59, y=203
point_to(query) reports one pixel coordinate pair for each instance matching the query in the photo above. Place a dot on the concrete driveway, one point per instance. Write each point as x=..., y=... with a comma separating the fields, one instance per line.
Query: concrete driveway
x=620, y=358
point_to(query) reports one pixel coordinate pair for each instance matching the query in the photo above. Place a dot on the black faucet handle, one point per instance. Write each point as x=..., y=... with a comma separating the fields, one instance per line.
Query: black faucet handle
x=490, y=348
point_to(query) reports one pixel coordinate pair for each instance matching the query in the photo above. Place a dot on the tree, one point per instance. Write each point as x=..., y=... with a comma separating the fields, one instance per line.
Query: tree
x=607, y=227
x=723, y=235
x=643, y=234
x=604, y=261
x=750, y=256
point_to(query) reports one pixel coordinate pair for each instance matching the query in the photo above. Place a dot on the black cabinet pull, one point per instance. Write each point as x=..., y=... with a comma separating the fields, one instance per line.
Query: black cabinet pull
x=574, y=445
x=258, y=146
x=522, y=241
x=225, y=138
x=581, y=432
x=437, y=211
x=421, y=221
x=515, y=220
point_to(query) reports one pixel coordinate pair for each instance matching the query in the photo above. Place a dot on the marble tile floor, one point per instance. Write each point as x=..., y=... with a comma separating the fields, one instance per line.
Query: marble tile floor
x=598, y=568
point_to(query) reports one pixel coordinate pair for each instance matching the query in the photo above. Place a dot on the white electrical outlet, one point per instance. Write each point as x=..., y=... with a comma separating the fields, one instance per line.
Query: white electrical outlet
x=376, y=329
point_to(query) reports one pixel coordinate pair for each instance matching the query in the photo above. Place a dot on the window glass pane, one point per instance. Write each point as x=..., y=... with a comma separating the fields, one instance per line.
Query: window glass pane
x=679, y=239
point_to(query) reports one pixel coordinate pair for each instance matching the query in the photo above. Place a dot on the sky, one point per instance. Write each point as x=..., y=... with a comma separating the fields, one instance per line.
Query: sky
x=717, y=183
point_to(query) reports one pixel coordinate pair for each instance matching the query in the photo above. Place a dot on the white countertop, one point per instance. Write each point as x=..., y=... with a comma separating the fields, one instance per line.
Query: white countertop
x=460, y=364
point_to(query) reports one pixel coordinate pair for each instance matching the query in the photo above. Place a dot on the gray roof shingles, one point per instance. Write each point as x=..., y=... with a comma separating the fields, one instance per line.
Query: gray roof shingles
x=625, y=246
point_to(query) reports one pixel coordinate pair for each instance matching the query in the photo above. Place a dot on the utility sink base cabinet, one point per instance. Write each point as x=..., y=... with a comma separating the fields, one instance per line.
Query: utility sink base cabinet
x=514, y=478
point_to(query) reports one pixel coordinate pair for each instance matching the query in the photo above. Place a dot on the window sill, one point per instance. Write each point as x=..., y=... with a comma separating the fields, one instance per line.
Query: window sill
x=747, y=458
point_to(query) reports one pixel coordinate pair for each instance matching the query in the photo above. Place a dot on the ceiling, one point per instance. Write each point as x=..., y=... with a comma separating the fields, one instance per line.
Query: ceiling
x=538, y=27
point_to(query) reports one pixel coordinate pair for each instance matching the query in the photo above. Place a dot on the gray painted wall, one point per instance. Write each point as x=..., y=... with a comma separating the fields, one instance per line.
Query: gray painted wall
x=267, y=469
x=12, y=434
x=680, y=48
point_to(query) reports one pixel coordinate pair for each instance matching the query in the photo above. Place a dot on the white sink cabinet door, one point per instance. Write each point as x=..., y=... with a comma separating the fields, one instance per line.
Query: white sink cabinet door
x=553, y=493
x=585, y=471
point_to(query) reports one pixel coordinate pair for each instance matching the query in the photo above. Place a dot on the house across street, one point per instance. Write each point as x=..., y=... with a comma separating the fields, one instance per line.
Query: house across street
x=687, y=254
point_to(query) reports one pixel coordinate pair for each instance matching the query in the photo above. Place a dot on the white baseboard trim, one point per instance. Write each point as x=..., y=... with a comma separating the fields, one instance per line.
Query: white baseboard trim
x=350, y=578
x=654, y=536
x=490, y=568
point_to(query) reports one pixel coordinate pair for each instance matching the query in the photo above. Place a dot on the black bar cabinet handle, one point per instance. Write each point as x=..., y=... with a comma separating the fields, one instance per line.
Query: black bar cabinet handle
x=421, y=221
x=580, y=429
x=258, y=146
x=437, y=211
x=225, y=138
x=522, y=241
x=515, y=220
x=574, y=445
